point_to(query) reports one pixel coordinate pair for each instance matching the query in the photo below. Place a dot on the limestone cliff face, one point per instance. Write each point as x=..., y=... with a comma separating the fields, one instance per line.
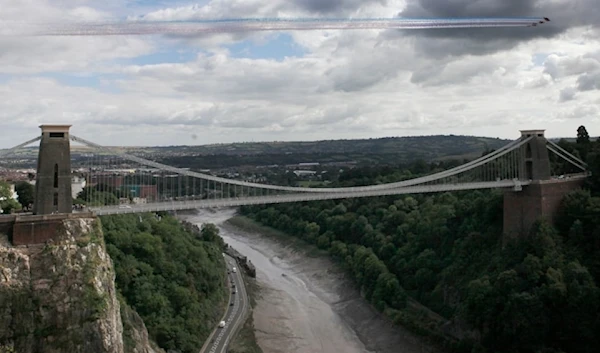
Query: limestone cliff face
x=135, y=334
x=60, y=297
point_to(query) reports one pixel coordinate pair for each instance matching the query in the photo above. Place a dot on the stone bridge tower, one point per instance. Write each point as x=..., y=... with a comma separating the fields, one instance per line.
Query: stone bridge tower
x=535, y=164
x=53, y=180
x=542, y=197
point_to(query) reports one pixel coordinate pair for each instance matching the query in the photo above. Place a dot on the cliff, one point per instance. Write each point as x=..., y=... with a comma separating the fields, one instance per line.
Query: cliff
x=135, y=334
x=60, y=296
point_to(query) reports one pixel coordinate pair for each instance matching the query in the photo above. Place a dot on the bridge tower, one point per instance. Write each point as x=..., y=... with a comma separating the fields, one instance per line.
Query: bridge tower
x=53, y=200
x=542, y=197
x=53, y=180
x=535, y=164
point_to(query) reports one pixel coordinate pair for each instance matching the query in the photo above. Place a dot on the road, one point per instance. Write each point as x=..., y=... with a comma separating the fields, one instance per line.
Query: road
x=219, y=339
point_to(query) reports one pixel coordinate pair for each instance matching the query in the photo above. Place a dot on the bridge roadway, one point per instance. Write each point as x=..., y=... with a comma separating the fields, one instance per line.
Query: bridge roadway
x=219, y=339
x=299, y=197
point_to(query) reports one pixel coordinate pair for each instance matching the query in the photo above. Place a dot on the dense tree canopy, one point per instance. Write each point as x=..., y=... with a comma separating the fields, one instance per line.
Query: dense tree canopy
x=534, y=294
x=26, y=192
x=174, y=279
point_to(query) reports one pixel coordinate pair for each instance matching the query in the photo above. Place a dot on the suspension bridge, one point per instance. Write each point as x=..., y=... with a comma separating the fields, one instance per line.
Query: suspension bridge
x=119, y=182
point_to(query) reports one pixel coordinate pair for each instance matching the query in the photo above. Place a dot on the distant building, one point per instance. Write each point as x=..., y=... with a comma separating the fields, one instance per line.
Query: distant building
x=148, y=192
x=139, y=200
x=114, y=181
x=77, y=185
x=13, y=175
x=308, y=165
x=304, y=172
x=13, y=192
x=120, y=171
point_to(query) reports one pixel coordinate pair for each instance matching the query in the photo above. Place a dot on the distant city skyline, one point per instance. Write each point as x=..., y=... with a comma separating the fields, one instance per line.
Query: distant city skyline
x=301, y=86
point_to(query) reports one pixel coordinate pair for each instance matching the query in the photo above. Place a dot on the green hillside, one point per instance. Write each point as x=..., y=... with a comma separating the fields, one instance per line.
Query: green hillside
x=439, y=145
x=383, y=151
x=389, y=150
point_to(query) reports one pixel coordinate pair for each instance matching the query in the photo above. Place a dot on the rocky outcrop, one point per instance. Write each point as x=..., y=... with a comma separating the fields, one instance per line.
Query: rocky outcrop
x=246, y=264
x=60, y=296
x=192, y=228
x=135, y=334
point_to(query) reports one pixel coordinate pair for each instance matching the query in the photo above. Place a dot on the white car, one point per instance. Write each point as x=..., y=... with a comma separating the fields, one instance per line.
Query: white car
x=222, y=324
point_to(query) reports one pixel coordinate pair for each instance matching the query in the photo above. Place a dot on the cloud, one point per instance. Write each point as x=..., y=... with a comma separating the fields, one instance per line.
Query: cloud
x=586, y=67
x=260, y=8
x=215, y=9
x=344, y=84
x=334, y=6
x=567, y=94
x=589, y=81
x=35, y=55
x=30, y=55
x=537, y=82
x=559, y=66
x=454, y=72
x=582, y=111
x=564, y=15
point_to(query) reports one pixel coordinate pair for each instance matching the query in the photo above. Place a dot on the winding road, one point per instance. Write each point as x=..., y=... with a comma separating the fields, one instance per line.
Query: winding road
x=235, y=314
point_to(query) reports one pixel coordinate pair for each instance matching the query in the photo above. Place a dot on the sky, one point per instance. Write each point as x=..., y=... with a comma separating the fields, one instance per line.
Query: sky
x=307, y=85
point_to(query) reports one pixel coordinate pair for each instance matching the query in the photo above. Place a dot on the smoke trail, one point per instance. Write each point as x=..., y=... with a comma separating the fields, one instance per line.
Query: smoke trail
x=259, y=24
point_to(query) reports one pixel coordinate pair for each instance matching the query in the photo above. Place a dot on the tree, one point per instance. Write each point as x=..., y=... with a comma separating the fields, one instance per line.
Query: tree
x=4, y=190
x=582, y=136
x=7, y=203
x=209, y=232
x=583, y=142
x=26, y=193
x=173, y=279
x=535, y=294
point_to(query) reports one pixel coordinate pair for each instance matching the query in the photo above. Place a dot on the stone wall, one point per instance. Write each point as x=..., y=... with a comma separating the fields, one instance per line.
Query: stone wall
x=36, y=229
x=36, y=232
x=540, y=200
x=6, y=225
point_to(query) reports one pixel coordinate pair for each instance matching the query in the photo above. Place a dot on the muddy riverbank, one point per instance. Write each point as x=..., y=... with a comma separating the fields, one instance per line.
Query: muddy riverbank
x=306, y=304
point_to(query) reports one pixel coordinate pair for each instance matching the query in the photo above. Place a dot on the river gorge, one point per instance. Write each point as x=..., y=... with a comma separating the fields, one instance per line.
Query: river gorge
x=305, y=303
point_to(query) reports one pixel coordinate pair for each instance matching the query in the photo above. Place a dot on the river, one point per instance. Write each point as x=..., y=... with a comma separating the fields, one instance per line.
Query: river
x=304, y=304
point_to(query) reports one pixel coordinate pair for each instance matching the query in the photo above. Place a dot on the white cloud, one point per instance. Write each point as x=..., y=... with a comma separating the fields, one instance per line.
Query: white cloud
x=587, y=111
x=349, y=84
x=34, y=55
x=30, y=55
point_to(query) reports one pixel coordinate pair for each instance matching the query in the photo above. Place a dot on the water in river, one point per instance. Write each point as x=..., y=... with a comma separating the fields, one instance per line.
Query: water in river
x=303, y=306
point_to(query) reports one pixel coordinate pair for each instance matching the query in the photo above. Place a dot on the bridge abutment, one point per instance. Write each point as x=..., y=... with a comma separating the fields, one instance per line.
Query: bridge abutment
x=36, y=229
x=537, y=201
x=541, y=199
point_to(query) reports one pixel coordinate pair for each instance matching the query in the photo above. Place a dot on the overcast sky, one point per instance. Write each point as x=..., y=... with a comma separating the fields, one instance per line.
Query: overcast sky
x=157, y=90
